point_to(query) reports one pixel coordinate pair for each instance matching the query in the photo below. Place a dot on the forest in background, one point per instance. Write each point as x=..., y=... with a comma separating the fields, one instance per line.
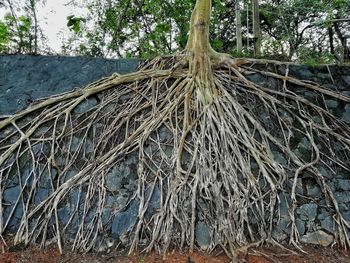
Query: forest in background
x=312, y=32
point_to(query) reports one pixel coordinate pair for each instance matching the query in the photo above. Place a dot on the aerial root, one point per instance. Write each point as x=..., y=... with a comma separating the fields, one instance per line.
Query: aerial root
x=209, y=163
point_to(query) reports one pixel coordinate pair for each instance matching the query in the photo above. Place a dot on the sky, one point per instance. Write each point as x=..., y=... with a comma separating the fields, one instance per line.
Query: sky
x=53, y=20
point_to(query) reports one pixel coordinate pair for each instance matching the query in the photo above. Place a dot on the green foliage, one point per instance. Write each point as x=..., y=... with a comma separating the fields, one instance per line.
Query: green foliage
x=19, y=29
x=300, y=27
x=74, y=23
x=16, y=34
x=4, y=37
x=292, y=29
x=156, y=27
x=148, y=28
x=312, y=58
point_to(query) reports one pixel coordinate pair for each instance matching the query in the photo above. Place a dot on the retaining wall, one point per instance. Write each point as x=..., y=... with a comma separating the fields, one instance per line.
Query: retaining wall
x=24, y=79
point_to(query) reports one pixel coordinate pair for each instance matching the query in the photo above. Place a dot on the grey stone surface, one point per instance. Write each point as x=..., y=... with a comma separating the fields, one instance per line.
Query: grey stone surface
x=64, y=215
x=304, y=143
x=11, y=194
x=328, y=224
x=154, y=203
x=305, y=73
x=324, y=77
x=24, y=78
x=347, y=80
x=202, y=235
x=313, y=190
x=299, y=186
x=164, y=134
x=122, y=176
x=281, y=231
x=310, y=95
x=325, y=172
x=284, y=205
x=70, y=174
x=343, y=184
x=323, y=213
x=300, y=226
x=27, y=176
x=331, y=104
x=123, y=222
x=76, y=144
x=13, y=207
x=346, y=114
x=114, y=180
x=342, y=197
x=256, y=78
x=318, y=238
x=279, y=157
x=307, y=212
x=346, y=216
x=86, y=105
x=41, y=195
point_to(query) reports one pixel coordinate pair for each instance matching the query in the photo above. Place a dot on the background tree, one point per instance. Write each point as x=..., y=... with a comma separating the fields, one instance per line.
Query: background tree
x=4, y=37
x=290, y=30
x=23, y=33
x=256, y=27
x=31, y=9
x=138, y=28
x=298, y=29
x=340, y=10
x=238, y=27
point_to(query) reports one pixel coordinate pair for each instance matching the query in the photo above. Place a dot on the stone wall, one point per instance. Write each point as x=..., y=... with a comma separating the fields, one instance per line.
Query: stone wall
x=26, y=78
x=313, y=219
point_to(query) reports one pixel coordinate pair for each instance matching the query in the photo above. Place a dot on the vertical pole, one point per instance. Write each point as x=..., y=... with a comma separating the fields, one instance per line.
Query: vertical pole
x=256, y=28
x=238, y=27
x=247, y=26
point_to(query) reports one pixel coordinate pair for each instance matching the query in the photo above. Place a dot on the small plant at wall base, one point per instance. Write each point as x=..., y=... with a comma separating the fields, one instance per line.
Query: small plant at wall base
x=193, y=119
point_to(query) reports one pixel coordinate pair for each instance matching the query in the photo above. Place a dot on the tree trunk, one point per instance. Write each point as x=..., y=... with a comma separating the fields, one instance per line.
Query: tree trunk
x=198, y=40
x=256, y=28
x=199, y=50
x=238, y=27
x=20, y=34
x=342, y=41
x=32, y=7
x=331, y=40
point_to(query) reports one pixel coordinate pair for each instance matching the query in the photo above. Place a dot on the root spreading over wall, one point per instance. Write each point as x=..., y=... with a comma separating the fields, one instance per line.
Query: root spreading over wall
x=215, y=162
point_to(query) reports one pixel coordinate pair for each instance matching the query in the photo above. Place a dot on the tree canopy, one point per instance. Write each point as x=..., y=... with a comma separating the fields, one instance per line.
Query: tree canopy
x=291, y=30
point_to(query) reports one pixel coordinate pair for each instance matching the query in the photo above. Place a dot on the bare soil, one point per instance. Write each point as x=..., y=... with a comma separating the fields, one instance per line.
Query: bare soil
x=266, y=254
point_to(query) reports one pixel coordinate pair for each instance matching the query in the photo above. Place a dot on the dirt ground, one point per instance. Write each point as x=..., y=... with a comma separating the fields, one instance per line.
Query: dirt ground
x=315, y=254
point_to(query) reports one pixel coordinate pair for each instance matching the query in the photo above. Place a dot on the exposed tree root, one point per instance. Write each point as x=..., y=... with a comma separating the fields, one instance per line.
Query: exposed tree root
x=216, y=166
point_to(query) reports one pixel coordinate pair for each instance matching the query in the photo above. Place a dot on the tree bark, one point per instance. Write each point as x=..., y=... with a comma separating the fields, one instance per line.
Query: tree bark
x=331, y=40
x=238, y=27
x=256, y=28
x=198, y=46
x=198, y=41
x=342, y=39
x=20, y=35
x=33, y=10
